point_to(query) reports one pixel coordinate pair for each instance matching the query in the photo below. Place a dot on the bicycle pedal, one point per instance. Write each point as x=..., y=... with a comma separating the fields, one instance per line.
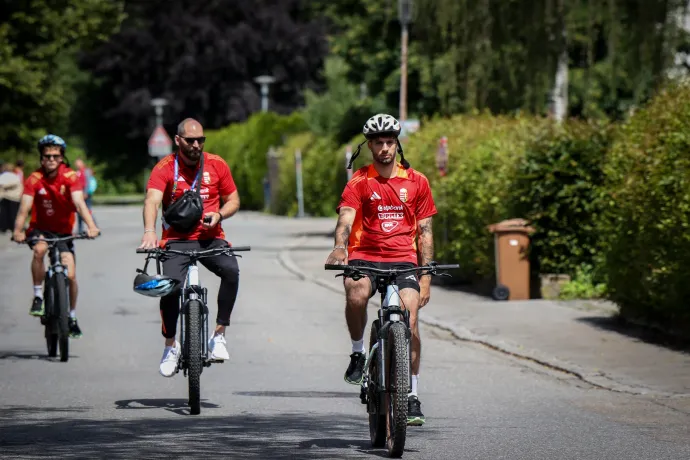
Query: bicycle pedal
x=215, y=361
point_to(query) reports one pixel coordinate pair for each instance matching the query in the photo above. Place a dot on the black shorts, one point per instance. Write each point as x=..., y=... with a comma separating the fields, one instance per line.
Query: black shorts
x=409, y=280
x=63, y=246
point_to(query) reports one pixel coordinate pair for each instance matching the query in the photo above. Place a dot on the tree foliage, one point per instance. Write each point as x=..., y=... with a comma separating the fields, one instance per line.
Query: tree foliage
x=202, y=57
x=38, y=41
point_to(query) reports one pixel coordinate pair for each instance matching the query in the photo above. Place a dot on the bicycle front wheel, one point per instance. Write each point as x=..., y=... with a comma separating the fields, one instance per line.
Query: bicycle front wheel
x=61, y=309
x=398, y=375
x=194, y=348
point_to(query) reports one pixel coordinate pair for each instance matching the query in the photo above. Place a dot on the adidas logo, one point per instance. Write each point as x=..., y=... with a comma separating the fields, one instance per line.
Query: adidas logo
x=375, y=196
x=42, y=192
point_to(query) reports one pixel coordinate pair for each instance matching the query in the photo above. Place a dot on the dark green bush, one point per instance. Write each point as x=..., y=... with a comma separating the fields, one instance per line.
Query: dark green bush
x=647, y=214
x=557, y=189
x=245, y=145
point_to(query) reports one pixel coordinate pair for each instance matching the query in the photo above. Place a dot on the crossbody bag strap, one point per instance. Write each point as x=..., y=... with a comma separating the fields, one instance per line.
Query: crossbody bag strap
x=195, y=185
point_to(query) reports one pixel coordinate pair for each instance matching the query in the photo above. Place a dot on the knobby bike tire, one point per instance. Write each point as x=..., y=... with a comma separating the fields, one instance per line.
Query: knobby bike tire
x=398, y=366
x=377, y=419
x=62, y=313
x=48, y=320
x=194, y=310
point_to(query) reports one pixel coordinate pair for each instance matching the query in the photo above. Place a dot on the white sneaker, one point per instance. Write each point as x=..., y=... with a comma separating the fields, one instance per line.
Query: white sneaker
x=217, y=347
x=169, y=360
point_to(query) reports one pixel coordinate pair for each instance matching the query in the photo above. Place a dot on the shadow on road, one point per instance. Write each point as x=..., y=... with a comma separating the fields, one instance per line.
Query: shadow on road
x=178, y=406
x=644, y=334
x=299, y=394
x=242, y=436
x=20, y=355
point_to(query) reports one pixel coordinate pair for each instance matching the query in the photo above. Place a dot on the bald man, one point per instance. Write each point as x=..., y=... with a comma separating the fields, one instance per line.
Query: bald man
x=168, y=181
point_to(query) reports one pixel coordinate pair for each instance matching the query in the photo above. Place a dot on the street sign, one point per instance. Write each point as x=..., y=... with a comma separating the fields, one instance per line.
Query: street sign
x=348, y=157
x=442, y=156
x=160, y=143
x=408, y=127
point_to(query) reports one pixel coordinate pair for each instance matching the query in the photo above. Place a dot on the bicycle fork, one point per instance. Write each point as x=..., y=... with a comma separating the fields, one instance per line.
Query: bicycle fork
x=193, y=291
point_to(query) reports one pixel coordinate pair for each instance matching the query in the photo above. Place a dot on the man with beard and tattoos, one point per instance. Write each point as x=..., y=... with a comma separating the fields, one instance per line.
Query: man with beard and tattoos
x=384, y=222
x=170, y=178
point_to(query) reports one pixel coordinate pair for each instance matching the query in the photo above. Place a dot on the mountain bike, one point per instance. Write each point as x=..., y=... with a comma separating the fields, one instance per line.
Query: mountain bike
x=193, y=329
x=387, y=375
x=56, y=297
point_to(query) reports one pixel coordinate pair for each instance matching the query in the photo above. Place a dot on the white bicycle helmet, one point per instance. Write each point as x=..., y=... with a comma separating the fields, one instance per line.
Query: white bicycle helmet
x=381, y=124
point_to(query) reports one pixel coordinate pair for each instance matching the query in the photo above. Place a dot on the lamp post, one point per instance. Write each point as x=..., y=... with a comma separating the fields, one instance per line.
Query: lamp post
x=158, y=104
x=264, y=81
x=405, y=16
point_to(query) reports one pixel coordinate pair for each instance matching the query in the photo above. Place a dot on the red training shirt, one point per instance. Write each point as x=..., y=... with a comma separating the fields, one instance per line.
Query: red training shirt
x=53, y=209
x=216, y=182
x=385, y=226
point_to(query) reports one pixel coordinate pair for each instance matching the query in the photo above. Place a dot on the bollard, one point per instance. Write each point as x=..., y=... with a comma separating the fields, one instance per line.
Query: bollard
x=300, y=190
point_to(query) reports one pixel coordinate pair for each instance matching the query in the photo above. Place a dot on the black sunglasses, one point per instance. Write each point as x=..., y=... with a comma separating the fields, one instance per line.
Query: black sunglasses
x=191, y=140
x=52, y=157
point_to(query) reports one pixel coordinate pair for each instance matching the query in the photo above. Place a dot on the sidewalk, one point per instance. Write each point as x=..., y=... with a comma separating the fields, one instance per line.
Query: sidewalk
x=578, y=337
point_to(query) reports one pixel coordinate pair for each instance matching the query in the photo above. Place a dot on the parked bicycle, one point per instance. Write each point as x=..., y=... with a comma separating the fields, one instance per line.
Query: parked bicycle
x=386, y=382
x=193, y=329
x=56, y=297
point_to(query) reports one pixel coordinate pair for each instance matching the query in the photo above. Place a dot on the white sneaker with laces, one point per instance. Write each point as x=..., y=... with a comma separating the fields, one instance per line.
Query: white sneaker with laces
x=169, y=360
x=217, y=347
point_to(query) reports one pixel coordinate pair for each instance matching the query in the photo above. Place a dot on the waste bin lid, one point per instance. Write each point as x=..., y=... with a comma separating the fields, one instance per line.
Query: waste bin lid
x=511, y=225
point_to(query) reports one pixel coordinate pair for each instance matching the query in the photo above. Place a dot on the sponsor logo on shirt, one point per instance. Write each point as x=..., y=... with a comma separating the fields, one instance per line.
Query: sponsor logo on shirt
x=385, y=207
x=389, y=226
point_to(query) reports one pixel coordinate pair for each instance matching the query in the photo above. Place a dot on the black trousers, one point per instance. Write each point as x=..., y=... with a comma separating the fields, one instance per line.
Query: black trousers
x=175, y=266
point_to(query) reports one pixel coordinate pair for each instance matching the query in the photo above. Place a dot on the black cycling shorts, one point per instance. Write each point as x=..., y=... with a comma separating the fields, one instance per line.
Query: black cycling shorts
x=408, y=280
x=63, y=246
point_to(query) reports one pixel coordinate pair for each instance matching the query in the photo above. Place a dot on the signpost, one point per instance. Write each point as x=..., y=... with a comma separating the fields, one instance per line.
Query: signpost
x=300, y=191
x=348, y=157
x=442, y=156
x=160, y=143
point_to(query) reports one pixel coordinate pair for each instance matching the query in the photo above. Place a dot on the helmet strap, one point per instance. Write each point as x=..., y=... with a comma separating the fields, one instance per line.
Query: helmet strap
x=352, y=158
x=405, y=164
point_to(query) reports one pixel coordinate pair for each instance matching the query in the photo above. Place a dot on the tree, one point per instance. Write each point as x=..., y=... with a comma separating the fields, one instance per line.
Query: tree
x=38, y=39
x=202, y=57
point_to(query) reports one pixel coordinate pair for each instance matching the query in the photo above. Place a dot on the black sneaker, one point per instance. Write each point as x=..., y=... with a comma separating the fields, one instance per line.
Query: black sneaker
x=74, y=331
x=355, y=371
x=414, y=411
x=37, y=307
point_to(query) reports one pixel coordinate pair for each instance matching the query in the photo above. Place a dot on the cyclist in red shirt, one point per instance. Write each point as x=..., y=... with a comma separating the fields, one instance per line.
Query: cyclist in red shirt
x=384, y=221
x=52, y=193
x=168, y=181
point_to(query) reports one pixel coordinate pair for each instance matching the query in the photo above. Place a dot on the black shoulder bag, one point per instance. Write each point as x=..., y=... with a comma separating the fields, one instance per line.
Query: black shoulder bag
x=184, y=214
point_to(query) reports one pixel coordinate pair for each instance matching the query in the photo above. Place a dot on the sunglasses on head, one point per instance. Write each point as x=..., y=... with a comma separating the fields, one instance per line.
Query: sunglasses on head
x=191, y=140
x=51, y=157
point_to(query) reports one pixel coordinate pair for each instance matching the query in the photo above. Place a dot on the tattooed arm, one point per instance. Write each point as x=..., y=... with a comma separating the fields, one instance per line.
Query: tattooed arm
x=342, y=236
x=425, y=249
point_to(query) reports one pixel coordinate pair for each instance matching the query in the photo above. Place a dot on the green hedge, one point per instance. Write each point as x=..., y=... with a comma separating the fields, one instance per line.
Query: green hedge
x=557, y=189
x=244, y=147
x=647, y=218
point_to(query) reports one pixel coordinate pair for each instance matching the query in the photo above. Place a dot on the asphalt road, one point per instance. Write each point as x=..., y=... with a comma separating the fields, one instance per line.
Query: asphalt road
x=282, y=394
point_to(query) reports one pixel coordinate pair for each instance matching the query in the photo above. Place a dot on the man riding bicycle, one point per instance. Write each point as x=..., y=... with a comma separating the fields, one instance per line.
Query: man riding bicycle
x=53, y=193
x=169, y=180
x=384, y=208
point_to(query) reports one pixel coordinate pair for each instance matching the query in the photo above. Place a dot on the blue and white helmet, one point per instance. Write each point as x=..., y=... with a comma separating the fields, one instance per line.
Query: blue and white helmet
x=52, y=139
x=154, y=285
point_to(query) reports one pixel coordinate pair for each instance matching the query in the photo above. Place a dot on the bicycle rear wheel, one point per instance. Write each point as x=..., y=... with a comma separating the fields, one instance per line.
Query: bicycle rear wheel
x=377, y=413
x=61, y=309
x=398, y=375
x=193, y=338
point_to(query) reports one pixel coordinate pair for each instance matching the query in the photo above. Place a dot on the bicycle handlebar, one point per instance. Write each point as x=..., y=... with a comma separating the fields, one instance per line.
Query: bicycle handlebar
x=350, y=269
x=194, y=252
x=80, y=236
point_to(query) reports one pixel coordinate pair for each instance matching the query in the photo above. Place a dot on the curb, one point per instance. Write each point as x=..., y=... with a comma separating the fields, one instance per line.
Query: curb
x=596, y=379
